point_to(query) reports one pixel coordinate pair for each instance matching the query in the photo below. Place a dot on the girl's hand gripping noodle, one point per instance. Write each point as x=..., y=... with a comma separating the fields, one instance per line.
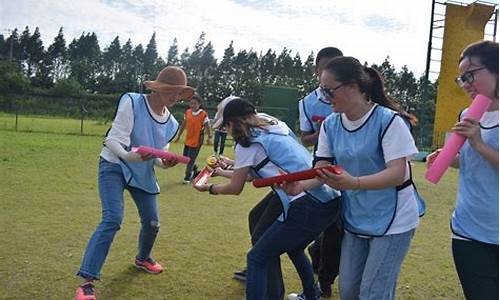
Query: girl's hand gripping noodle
x=206, y=172
x=161, y=154
x=476, y=110
x=302, y=175
x=317, y=118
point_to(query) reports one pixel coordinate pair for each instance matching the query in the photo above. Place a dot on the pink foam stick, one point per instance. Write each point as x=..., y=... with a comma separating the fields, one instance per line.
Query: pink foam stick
x=317, y=118
x=302, y=175
x=475, y=111
x=161, y=154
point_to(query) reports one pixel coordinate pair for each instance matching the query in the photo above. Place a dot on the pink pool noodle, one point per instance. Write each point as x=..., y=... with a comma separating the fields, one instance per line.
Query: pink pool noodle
x=161, y=154
x=476, y=110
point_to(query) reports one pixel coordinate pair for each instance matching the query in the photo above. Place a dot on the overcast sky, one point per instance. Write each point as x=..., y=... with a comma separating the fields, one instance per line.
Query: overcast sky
x=369, y=30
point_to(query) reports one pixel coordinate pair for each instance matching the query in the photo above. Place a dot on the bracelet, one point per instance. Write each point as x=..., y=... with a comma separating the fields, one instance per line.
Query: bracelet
x=211, y=190
x=359, y=183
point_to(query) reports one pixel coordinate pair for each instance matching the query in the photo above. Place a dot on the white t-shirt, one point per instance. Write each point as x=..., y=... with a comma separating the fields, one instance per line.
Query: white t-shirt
x=124, y=123
x=396, y=143
x=254, y=154
x=305, y=124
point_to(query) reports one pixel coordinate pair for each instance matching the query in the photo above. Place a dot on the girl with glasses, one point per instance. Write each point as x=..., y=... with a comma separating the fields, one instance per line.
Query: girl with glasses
x=474, y=222
x=369, y=136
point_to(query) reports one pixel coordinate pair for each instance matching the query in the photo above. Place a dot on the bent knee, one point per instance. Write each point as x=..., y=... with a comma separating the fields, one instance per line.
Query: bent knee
x=154, y=225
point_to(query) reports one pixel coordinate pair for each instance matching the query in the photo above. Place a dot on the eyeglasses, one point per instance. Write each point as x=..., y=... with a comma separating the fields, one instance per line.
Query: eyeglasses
x=329, y=92
x=467, y=77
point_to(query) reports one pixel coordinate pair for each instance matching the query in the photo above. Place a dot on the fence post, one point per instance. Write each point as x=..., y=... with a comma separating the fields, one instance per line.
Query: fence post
x=17, y=112
x=82, y=115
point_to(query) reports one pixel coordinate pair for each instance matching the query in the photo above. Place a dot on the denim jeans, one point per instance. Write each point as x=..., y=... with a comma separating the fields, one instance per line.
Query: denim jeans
x=260, y=218
x=369, y=267
x=192, y=153
x=306, y=219
x=111, y=187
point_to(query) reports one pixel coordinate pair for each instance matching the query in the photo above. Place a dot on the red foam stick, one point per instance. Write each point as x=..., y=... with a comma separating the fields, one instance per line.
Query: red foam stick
x=202, y=178
x=302, y=175
x=161, y=154
x=317, y=118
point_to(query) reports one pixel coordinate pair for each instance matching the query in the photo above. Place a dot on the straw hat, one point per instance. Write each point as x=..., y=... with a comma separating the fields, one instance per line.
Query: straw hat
x=171, y=78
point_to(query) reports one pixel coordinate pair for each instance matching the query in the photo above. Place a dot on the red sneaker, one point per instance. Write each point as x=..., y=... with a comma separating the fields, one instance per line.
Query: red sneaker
x=149, y=265
x=85, y=291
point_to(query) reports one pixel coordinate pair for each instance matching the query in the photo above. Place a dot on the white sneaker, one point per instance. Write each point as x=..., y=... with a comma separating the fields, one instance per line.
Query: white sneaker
x=295, y=296
x=184, y=181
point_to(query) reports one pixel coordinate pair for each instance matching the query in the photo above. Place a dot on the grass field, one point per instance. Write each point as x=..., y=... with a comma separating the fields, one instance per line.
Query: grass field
x=49, y=207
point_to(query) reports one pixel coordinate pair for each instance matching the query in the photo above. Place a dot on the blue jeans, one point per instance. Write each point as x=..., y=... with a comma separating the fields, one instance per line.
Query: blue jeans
x=219, y=140
x=369, y=267
x=306, y=219
x=111, y=187
x=192, y=153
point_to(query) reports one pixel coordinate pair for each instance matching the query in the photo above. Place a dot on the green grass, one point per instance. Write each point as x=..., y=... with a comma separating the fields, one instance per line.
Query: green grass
x=47, y=124
x=49, y=207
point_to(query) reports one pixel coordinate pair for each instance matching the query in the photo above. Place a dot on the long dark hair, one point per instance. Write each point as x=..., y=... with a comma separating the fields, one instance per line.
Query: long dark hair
x=244, y=120
x=487, y=52
x=243, y=127
x=348, y=69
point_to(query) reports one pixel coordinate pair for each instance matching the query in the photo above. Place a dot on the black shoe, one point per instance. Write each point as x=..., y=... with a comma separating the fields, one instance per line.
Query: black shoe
x=325, y=289
x=240, y=275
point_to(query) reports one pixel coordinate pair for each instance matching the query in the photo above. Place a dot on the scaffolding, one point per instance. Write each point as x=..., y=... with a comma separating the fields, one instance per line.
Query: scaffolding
x=436, y=32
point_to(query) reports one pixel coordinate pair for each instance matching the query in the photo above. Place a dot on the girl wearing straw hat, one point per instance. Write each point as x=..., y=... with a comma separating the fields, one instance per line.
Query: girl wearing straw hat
x=140, y=120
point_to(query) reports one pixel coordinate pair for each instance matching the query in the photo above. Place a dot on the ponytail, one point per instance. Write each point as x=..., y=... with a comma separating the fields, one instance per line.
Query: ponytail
x=348, y=69
x=376, y=93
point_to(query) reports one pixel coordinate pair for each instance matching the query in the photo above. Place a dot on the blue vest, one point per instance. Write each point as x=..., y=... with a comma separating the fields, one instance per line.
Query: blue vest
x=476, y=212
x=313, y=105
x=359, y=152
x=146, y=132
x=285, y=152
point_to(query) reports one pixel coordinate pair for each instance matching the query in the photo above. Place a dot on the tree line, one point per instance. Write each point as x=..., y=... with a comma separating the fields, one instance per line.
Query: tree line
x=82, y=68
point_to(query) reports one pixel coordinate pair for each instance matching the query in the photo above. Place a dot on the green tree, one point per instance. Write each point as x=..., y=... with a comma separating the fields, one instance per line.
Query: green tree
x=173, y=54
x=24, y=41
x=150, y=58
x=126, y=77
x=111, y=63
x=225, y=75
x=35, y=52
x=12, y=79
x=2, y=46
x=139, y=73
x=12, y=49
x=247, y=80
x=267, y=67
x=85, y=60
x=310, y=82
x=284, y=68
x=111, y=58
x=58, y=57
x=425, y=111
